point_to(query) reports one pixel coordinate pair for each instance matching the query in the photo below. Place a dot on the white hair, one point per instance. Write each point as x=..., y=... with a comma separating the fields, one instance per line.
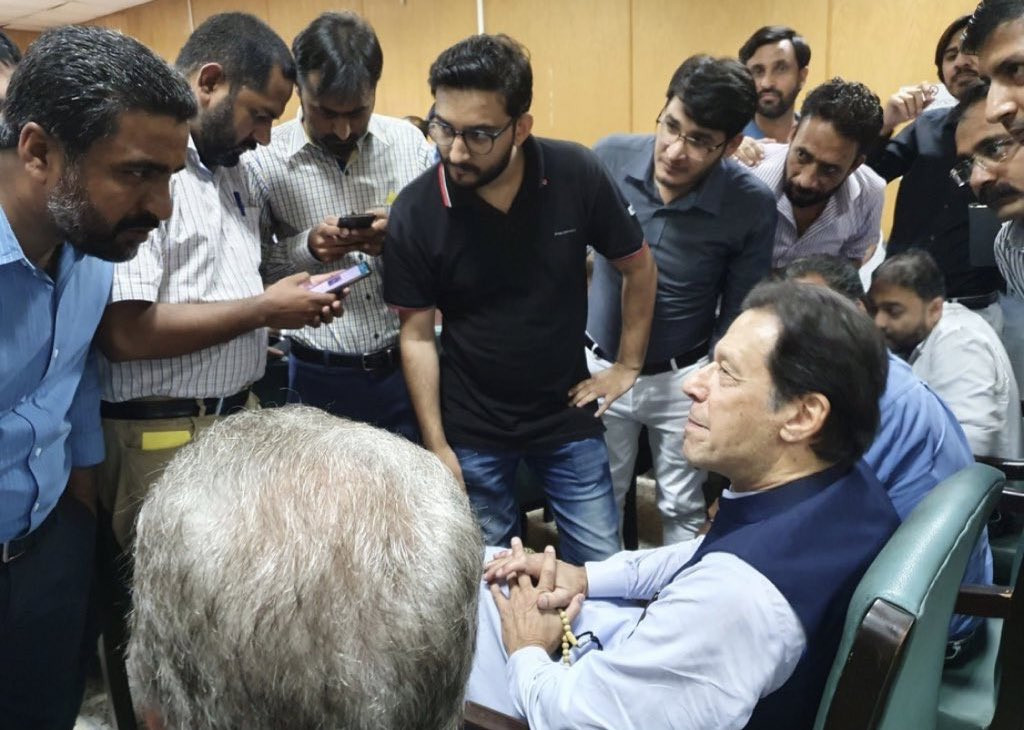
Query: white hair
x=296, y=570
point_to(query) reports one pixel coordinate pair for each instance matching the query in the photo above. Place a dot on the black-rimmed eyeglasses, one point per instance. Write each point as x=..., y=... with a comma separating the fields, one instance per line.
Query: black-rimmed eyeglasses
x=478, y=141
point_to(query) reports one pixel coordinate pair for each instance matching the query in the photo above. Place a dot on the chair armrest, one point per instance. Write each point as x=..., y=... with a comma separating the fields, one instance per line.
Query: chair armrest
x=986, y=601
x=478, y=717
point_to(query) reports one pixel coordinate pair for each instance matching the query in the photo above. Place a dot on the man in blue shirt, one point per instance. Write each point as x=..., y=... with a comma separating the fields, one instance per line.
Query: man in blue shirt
x=710, y=224
x=919, y=441
x=93, y=127
x=777, y=57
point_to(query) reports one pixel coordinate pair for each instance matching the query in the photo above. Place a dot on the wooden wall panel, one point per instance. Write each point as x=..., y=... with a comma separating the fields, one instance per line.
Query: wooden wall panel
x=21, y=38
x=412, y=34
x=581, y=56
x=666, y=32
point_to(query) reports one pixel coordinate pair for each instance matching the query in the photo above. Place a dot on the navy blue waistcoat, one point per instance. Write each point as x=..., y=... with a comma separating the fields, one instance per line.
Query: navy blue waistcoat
x=813, y=539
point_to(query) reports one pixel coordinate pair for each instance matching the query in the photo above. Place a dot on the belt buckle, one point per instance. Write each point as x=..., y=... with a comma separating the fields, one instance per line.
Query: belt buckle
x=5, y=554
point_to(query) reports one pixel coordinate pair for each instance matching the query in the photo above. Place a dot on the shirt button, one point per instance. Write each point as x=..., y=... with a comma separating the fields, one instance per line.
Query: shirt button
x=56, y=352
x=35, y=507
x=38, y=451
x=367, y=296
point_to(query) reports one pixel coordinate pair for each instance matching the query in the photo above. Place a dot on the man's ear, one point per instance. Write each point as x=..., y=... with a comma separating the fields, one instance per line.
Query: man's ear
x=802, y=76
x=732, y=145
x=857, y=163
x=807, y=418
x=210, y=83
x=933, y=312
x=40, y=153
x=524, y=125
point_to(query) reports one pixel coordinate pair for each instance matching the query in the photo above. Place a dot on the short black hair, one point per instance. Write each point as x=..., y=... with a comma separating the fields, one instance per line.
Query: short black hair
x=75, y=82
x=827, y=346
x=988, y=16
x=976, y=93
x=244, y=46
x=9, y=53
x=851, y=107
x=947, y=35
x=776, y=34
x=717, y=93
x=915, y=270
x=838, y=272
x=344, y=49
x=487, y=63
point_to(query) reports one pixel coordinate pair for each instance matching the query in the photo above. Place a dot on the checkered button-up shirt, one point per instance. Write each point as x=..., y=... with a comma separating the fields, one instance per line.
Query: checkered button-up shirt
x=305, y=185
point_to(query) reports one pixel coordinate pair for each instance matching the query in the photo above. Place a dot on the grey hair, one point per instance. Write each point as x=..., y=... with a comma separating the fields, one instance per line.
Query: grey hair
x=293, y=569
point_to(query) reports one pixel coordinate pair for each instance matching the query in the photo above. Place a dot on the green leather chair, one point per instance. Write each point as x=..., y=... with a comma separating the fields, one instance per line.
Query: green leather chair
x=985, y=692
x=887, y=670
x=889, y=664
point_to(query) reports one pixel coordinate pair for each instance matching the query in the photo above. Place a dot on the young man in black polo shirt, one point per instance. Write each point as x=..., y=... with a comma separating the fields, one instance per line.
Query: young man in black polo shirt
x=495, y=237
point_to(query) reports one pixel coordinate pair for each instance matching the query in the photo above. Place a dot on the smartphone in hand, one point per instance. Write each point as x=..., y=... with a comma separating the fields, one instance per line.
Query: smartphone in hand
x=363, y=220
x=340, y=279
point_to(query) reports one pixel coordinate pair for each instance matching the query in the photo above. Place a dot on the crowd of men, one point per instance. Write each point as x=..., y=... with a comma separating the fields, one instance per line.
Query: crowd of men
x=290, y=568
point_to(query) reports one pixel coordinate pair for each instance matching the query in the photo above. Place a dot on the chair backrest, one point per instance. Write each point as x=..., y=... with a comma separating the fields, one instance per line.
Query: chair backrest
x=889, y=664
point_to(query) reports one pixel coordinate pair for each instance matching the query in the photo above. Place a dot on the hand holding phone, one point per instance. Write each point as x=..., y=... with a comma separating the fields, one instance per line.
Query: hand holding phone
x=355, y=222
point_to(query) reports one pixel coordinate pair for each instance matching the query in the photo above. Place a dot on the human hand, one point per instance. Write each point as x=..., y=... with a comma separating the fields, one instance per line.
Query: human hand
x=907, y=104
x=289, y=304
x=447, y=456
x=523, y=622
x=608, y=385
x=367, y=240
x=567, y=580
x=751, y=151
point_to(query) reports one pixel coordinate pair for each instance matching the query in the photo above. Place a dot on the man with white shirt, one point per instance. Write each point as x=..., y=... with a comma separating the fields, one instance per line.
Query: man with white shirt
x=775, y=415
x=340, y=158
x=952, y=349
x=185, y=332
x=828, y=202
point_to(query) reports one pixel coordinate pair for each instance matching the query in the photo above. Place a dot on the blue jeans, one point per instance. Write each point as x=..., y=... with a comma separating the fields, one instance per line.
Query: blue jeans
x=378, y=398
x=578, y=486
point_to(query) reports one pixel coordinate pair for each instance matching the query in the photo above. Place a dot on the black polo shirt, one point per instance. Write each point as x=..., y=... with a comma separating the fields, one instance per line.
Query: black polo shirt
x=513, y=291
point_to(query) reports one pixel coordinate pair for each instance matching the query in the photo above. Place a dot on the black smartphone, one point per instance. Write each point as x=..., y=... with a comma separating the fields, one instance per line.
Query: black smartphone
x=363, y=220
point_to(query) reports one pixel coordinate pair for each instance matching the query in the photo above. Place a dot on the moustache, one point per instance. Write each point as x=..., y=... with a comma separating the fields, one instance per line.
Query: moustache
x=464, y=167
x=966, y=73
x=143, y=221
x=770, y=92
x=992, y=194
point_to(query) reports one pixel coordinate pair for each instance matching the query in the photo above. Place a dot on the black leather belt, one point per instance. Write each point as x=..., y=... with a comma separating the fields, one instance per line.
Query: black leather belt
x=978, y=301
x=145, y=410
x=14, y=549
x=386, y=359
x=654, y=368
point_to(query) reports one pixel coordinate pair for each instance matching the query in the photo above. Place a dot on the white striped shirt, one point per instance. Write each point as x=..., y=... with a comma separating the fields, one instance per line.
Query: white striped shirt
x=207, y=251
x=847, y=227
x=305, y=185
x=1009, y=251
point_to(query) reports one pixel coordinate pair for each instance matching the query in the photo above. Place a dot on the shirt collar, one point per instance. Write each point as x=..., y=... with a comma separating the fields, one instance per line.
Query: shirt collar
x=707, y=195
x=10, y=249
x=453, y=196
x=193, y=160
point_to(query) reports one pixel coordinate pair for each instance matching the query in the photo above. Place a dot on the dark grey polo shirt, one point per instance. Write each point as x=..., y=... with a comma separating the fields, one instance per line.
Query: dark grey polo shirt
x=712, y=244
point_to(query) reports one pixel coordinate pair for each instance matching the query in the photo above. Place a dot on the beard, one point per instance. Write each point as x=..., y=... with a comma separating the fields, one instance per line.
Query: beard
x=903, y=344
x=777, y=104
x=483, y=175
x=79, y=222
x=215, y=137
x=800, y=197
x=337, y=147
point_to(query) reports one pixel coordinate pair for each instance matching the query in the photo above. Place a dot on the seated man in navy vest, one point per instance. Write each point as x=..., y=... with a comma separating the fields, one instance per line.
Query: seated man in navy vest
x=738, y=628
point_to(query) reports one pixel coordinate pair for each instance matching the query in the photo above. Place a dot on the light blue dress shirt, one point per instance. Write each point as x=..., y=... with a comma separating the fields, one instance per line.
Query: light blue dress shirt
x=920, y=443
x=49, y=390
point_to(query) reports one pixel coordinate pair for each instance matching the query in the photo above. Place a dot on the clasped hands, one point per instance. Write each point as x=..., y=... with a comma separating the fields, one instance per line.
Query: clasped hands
x=538, y=585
